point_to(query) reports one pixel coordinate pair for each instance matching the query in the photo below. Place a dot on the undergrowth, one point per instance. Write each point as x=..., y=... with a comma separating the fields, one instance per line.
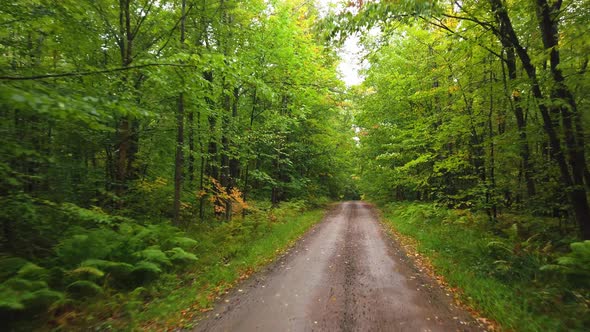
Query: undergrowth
x=515, y=274
x=231, y=256
x=106, y=272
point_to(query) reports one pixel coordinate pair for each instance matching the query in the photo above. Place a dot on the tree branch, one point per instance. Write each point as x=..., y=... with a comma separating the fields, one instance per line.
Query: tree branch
x=443, y=26
x=88, y=73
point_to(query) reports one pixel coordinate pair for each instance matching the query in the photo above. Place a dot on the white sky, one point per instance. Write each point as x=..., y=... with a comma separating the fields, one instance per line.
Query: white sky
x=350, y=53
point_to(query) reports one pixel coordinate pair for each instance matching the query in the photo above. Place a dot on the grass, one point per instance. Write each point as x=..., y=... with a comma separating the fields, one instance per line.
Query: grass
x=229, y=253
x=495, y=274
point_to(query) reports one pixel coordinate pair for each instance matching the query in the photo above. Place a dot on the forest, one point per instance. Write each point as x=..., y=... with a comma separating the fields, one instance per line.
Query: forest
x=156, y=152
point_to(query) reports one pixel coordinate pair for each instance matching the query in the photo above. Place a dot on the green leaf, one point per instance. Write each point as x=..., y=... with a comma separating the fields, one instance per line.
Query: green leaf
x=88, y=270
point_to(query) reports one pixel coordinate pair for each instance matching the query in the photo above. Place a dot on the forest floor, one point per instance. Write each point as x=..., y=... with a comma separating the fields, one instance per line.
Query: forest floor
x=345, y=274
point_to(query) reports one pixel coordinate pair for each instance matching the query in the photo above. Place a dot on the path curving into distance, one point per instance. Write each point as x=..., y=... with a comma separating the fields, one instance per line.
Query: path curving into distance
x=345, y=274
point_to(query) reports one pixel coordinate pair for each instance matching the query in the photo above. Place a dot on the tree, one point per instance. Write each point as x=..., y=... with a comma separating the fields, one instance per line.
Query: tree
x=494, y=29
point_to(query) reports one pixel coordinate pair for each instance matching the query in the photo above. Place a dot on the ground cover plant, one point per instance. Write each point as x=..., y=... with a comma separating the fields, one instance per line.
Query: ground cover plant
x=118, y=273
x=511, y=272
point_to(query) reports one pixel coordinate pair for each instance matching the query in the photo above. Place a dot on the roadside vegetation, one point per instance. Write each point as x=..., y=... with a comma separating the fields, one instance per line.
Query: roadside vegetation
x=124, y=274
x=515, y=273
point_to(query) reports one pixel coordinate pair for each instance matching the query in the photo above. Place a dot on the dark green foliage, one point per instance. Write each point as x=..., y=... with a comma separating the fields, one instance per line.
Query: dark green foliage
x=9, y=266
x=575, y=265
x=481, y=121
x=153, y=255
x=118, y=274
x=26, y=289
x=32, y=271
x=87, y=272
x=145, y=271
x=103, y=169
x=178, y=256
x=83, y=289
x=98, y=253
x=96, y=244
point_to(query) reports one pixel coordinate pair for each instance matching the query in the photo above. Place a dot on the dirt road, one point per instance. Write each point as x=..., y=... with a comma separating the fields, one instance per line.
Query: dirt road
x=344, y=275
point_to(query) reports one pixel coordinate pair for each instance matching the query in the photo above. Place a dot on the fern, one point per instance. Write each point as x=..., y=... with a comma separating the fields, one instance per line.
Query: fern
x=95, y=215
x=118, y=270
x=84, y=288
x=21, y=294
x=182, y=242
x=139, y=292
x=147, y=267
x=153, y=235
x=24, y=285
x=10, y=299
x=178, y=255
x=154, y=255
x=575, y=265
x=9, y=266
x=32, y=271
x=78, y=248
x=146, y=271
x=88, y=271
x=42, y=298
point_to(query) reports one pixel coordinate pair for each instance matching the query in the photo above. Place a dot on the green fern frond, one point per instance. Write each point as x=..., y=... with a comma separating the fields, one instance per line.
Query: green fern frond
x=42, y=298
x=145, y=271
x=183, y=242
x=10, y=265
x=116, y=269
x=32, y=271
x=84, y=288
x=88, y=270
x=19, y=294
x=20, y=284
x=154, y=255
x=145, y=266
x=178, y=255
x=10, y=299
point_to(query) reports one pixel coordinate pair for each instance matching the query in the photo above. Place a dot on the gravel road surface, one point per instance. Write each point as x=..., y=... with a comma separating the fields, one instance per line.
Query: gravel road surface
x=345, y=274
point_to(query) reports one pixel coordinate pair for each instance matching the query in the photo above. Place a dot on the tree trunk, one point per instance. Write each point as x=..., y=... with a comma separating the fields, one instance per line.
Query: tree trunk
x=516, y=106
x=225, y=155
x=212, y=167
x=191, y=148
x=125, y=152
x=234, y=162
x=574, y=139
x=491, y=186
x=574, y=180
x=247, y=171
x=179, y=158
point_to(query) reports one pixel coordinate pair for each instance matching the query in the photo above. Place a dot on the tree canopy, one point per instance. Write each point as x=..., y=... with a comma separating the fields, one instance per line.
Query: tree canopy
x=129, y=126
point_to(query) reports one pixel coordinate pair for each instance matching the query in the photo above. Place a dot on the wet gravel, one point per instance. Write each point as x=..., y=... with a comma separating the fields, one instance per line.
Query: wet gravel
x=345, y=274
